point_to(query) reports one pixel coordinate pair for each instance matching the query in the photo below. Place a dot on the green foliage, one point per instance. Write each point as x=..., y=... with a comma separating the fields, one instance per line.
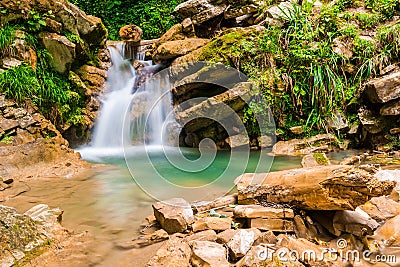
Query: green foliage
x=50, y=91
x=35, y=21
x=153, y=16
x=388, y=8
x=296, y=68
x=7, y=34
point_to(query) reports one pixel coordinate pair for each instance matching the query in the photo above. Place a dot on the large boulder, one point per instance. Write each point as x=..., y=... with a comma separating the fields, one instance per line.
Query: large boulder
x=174, y=49
x=174, y=215
x=89, y=28
x=215, y=107
x=384, y=89
x=61, y=49
x=295, y=147
x=320, y=188
x=131, y=33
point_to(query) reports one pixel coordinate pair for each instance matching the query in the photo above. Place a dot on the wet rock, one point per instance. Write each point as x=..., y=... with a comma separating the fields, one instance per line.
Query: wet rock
x=201, y=206
x=321, y=188
x=212, y=223
x=174, y=215
x=131, y=33
x=208, y=254
x=241, y=242
x=238, y=141
x=207, y=235
x=266, y=141
x=174, y=49
x=295, y=147
x=355, y=222
x=142, y=241
x=381, y=208
x=61, y=50
x=276, y=225
x=258, y=211
x=314, y=160
x=391, y=109
x=384, y=89
x=174, y=252
x=353, y=160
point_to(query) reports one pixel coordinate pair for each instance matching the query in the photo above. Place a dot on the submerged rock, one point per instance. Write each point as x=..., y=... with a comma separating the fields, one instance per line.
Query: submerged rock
x=320, y=188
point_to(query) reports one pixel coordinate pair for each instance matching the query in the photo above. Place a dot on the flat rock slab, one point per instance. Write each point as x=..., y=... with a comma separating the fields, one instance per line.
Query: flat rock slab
x=334, y=187
x=212, y=223
x=174, y=215
x=258, y=211
x=276, y=225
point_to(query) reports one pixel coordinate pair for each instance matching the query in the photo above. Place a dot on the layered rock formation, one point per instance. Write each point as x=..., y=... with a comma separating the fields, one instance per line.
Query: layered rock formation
x=292, y=215
x=76, y=42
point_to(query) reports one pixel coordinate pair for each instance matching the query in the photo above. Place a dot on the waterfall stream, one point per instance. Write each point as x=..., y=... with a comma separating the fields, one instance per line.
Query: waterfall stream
x=134, y=108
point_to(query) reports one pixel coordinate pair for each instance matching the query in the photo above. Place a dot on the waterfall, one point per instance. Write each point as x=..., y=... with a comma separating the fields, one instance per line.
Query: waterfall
x=132, y=114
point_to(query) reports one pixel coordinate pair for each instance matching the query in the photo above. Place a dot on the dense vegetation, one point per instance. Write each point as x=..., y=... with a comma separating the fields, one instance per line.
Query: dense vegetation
x=153, y=16
x=306, y=83
x=56, y=97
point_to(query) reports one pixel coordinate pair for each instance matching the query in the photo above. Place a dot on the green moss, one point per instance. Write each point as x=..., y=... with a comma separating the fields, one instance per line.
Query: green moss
x=321, y=158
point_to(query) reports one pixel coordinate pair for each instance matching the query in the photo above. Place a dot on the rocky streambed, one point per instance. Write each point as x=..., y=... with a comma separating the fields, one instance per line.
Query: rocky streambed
x=337, y=215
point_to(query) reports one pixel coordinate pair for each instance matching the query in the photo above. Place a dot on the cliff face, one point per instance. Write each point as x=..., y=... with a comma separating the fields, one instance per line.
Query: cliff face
x=60, y=51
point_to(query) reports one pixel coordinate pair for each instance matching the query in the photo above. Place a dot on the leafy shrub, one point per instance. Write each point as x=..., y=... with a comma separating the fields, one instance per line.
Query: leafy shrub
x=153, y=16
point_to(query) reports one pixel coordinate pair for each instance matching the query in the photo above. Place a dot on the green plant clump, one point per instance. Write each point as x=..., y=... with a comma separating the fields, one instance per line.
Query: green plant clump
x=297, y=68
x=153, y=16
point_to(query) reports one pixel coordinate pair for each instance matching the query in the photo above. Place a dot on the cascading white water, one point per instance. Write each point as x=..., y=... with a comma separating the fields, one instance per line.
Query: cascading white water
x=128, y=115
x=110, y=126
